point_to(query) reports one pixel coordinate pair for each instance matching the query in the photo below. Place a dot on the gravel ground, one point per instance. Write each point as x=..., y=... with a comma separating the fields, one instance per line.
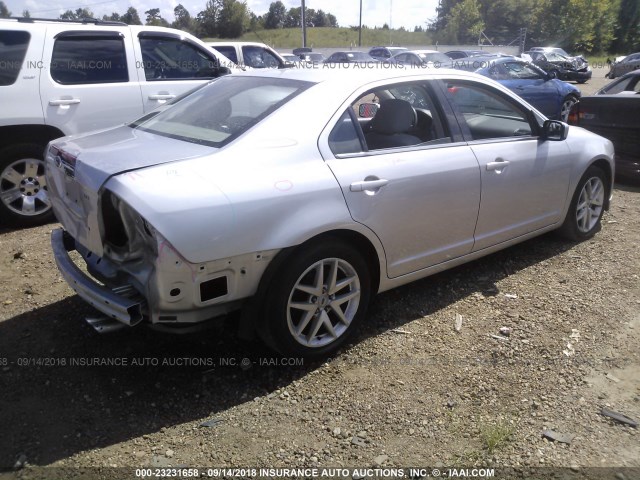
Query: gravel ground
x=409, y=390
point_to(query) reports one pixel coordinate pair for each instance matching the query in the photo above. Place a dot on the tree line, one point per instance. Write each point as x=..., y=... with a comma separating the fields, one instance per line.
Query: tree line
x=585, y=25
x=220, y=18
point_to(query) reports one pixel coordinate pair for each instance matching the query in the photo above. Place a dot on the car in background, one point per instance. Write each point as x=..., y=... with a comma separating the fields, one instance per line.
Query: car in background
x=385, y=53
x=550, y=96
x=312, y=57
x=65, y=77
x=250, y=54
x=350, y=56
x=290, y=57
x=236, y=198
x=628, y=84
x=626, y=65
x=614, y=112
x=422, y=58
x=561, y=66
x=456, y=54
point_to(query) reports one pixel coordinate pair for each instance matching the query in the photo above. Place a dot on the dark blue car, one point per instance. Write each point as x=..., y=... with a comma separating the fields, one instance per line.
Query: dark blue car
x=554, y=98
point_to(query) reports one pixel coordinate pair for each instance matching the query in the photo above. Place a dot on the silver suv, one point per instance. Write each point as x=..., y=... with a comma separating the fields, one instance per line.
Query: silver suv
x=60, y=78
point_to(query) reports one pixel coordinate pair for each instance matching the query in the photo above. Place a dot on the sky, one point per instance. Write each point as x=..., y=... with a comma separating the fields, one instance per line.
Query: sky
x=396, y=13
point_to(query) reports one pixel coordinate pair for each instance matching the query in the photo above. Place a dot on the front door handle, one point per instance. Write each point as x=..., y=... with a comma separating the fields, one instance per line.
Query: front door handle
x=368, y=185
x=161, y=96
x=61, y=102
x=497, y=166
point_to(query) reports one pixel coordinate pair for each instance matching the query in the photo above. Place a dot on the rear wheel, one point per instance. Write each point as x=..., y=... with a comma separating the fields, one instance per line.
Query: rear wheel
x=317, y=300
x=24, y=200
x=554, y=74
x=565, y=109
x=584, y=217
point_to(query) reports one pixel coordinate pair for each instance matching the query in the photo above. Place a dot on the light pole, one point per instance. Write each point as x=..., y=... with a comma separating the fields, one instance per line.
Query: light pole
x=304, y=25
x=360, y=27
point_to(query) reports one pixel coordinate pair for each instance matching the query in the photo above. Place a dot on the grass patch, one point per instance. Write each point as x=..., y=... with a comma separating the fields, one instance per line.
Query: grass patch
x=327, y=37
x=496, y=436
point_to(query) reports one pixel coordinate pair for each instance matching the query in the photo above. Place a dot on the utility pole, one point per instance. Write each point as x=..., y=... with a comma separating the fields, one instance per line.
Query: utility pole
x=360, y=27
x=304, y=25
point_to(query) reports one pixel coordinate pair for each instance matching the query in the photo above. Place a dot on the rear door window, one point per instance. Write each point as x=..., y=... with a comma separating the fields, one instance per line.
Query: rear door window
x=13, y=48
x=87, y=58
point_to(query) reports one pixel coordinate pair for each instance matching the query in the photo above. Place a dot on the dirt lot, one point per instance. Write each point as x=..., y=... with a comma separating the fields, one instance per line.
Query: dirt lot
x=409, y=391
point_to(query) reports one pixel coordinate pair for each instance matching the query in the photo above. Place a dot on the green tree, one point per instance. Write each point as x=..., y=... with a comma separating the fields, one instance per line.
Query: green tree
x=114, y=17
x=333, y=21
x=26, y=14
x=627, y=33
x=154, y=18
x=131, y=17
x=276, y=16
x=183, y=20
x=79, y=14
x=207, y=19
x=464, y=23
x=233, y=19
x=4, y=11
x=320, y=19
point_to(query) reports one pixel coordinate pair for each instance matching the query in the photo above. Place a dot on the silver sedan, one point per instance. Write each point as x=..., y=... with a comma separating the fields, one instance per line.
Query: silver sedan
x=298, y=195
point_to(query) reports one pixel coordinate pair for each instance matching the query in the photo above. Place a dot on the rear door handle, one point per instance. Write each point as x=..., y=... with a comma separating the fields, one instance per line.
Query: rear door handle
x=368, y=185
x=161, y=96
x=64, y=101
x=497, y=166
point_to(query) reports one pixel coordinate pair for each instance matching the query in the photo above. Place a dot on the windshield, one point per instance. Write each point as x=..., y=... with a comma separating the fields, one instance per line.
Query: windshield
x=223, y=110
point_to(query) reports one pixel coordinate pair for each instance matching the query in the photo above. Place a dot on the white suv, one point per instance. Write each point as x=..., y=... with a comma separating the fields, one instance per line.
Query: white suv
x=250, y=54
x=60, y=78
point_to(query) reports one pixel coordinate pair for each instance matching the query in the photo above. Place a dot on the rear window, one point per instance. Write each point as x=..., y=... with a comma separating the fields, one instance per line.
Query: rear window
x=13, y=48
x=223, y=110
x=229, y=52
x=87, y=59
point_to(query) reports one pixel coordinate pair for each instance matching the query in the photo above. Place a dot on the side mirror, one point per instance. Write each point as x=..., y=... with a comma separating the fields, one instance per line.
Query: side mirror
x=554, y=130
x=368, y=110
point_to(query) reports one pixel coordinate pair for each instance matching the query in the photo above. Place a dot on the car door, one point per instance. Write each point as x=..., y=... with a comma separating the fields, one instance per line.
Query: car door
x=532, y=85
x=420, y=200
x=91, y=81
x=524, y=178
x=169, y=66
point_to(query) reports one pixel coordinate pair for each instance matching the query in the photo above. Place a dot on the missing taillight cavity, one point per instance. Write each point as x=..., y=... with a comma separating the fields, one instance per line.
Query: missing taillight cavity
x=114, y=229
x=213, y=288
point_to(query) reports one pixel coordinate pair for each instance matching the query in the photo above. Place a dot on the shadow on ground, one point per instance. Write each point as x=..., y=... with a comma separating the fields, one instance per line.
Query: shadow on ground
x=51, y=409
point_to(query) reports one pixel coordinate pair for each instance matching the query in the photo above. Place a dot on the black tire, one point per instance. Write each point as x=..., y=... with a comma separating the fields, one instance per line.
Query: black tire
x=584, y=216
x=581, y=81
x=554, y=74
x=22, y=173
x=565, y=109
x=302, y=268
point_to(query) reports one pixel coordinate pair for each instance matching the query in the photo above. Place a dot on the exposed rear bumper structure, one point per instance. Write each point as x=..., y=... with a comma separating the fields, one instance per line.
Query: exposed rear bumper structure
x=114, y=303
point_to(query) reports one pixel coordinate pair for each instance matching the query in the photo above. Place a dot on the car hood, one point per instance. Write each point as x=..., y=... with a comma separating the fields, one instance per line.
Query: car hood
x=100, y=155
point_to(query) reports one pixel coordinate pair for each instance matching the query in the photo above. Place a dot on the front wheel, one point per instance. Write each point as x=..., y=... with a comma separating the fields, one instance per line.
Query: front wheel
x=317, y=300
x=24, y=200
x=587, y=206
x=554, y=74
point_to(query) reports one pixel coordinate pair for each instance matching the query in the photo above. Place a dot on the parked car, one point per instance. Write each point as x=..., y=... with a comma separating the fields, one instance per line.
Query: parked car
x=61, y=77
x=234, y=197
x=456, y=54
x=614, y=113
x=350, y=56
x=626, y=65
x=561, y=66
x=550, y=96
x=313, y=57
x=627, y=84
x=250, y=54
x=290, y=57
x=422, y=58
x=385, y=53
